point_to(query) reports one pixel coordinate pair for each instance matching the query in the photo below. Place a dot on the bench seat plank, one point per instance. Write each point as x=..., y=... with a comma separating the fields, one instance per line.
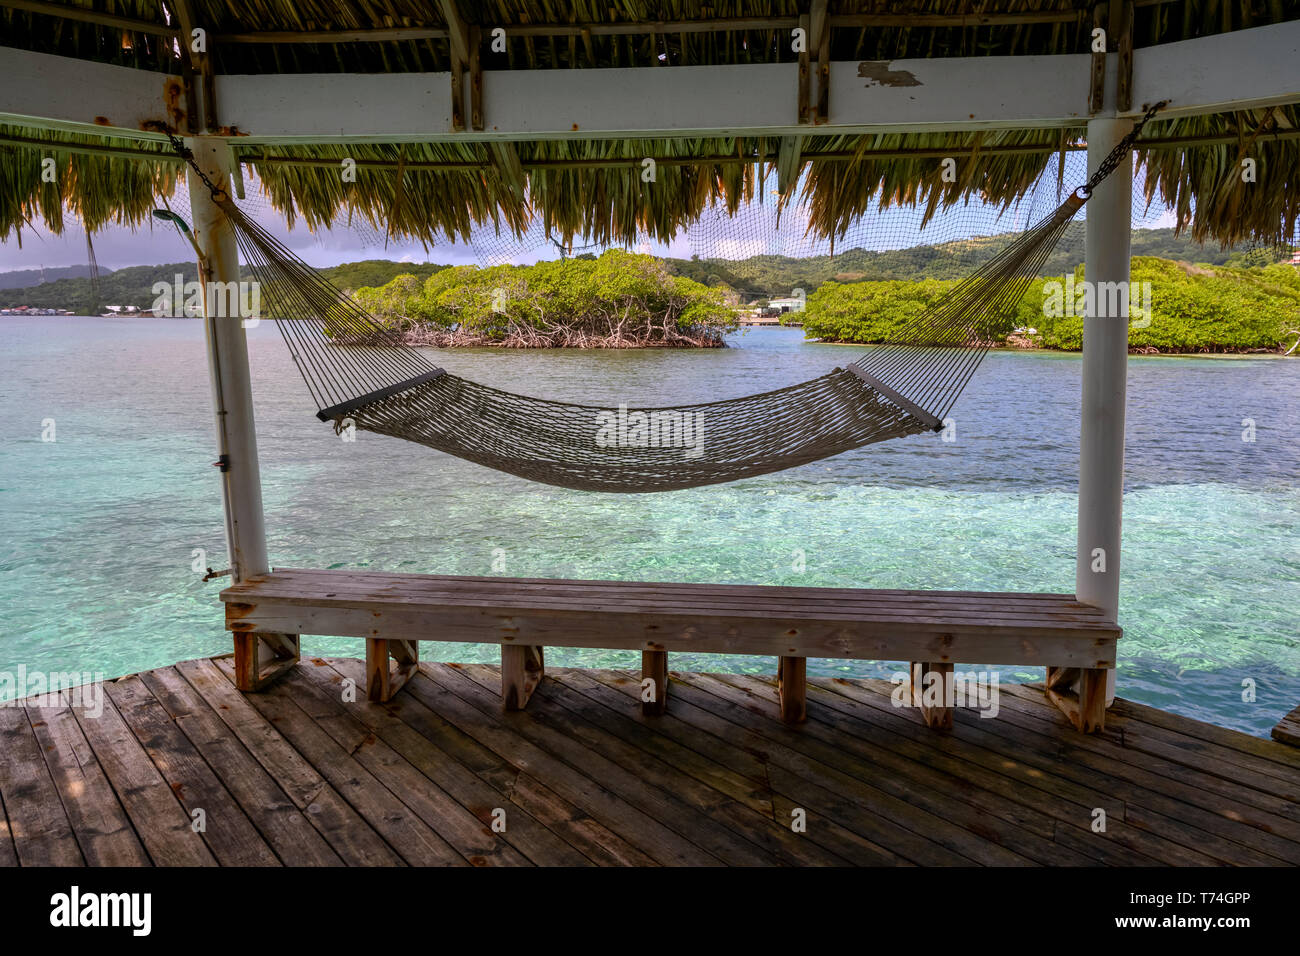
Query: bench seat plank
x=378, y=591
x=393, y=612
x=846, y=623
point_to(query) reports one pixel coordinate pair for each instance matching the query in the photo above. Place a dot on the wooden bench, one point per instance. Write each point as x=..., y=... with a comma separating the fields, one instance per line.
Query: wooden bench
x=931, y=629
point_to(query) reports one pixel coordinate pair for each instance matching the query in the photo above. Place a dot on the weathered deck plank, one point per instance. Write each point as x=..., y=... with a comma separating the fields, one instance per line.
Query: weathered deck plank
x=286, y=828
x=471, y=837
x=992, y=804
x=511, y=785
x=795, y=751
x=724, y=762
x=525, y=834
x=1160, y=817
x=971, y=754
x=97, y=819
x=303, y=774
x=410, y=837
x=575, y=719
x=8, y=855
x=1228, y=829
x=225, y=827
x=161, y=821
x=350, y=836
x=42, y=835
x=1287, y=731
x=818, y=790
x=614, y=798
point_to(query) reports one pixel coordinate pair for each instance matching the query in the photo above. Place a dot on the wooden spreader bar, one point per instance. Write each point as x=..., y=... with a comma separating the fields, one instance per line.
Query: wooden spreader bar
x=932, y=629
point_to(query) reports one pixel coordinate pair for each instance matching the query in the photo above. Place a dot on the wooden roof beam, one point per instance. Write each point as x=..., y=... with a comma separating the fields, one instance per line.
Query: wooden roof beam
x=820, y=37
x=390, y=35
x=577, y=30
x=82, y=15
x=585, y=31
x=457, y=31
x=199, y=63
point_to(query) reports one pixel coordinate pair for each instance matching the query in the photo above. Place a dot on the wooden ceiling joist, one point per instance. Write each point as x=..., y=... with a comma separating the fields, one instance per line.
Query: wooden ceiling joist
x=83, y=15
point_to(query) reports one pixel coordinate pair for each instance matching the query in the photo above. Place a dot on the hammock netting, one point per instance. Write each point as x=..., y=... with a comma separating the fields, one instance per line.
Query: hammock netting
x=357, y=370
x=360, y=371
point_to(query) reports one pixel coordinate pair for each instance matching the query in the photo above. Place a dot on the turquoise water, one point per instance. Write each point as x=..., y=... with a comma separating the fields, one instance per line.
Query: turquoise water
x=100, y=525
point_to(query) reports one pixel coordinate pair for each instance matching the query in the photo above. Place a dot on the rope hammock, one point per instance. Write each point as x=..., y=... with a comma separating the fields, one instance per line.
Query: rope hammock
x=357, y=369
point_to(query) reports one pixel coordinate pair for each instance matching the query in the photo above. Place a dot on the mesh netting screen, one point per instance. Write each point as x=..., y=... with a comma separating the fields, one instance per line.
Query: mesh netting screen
x=890, y=241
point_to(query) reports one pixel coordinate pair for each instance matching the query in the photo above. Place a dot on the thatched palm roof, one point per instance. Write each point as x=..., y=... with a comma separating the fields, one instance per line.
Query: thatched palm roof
x=272, y=36
x=437, y=190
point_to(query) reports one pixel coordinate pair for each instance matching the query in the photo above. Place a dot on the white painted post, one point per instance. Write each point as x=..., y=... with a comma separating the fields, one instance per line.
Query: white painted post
x=1105, y=370
x=232, y=396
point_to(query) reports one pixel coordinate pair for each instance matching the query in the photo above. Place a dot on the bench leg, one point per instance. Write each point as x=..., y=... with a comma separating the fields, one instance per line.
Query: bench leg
x=255, y=650
x=791, y=684
x=933, y=694
x=521, y=671
x=389, y=665
x=1086, y=708
x=654, y=668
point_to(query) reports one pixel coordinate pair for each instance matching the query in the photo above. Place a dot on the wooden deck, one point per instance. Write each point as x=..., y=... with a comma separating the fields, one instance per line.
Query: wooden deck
x=1288, y=729
x=295, y=776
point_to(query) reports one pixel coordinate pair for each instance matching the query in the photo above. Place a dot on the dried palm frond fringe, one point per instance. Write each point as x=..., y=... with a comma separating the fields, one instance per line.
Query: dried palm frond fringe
x=592, y=190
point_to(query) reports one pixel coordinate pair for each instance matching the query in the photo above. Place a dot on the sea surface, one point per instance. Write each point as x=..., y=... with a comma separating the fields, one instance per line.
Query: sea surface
x=104, y=525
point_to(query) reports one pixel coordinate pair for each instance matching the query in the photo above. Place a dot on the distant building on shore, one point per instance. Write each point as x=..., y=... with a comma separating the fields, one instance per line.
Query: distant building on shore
x=28, y=310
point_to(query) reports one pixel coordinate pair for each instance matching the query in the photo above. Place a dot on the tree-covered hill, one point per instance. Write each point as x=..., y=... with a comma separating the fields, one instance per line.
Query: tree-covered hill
x=765, y=276
x=130, y=286
x=134, y=285
x=376, y=272
x=23, y=278
x=1192, y=309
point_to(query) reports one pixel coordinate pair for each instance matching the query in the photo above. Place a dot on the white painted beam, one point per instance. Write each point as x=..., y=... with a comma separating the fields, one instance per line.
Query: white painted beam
x=55, y=92
x=1245, y=69
x=757, y=99
x=325, y=108
x=1242, y=70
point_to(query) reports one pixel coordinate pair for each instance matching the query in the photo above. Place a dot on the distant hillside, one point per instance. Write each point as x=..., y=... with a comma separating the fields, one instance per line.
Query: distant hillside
x=130, y=286
x=22, y=278
x=753, y=278
x=376, y=272
x=1188, y=309
x=763, y=276
x=134, y=285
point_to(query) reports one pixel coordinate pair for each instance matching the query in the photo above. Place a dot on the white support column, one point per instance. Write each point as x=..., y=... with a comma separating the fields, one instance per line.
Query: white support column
x=1105, y=369
x=232, y=395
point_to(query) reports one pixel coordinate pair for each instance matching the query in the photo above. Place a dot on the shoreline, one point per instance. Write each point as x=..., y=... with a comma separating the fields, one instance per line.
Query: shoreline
x=562, y=339
x=1138, y=351
x=442, y=341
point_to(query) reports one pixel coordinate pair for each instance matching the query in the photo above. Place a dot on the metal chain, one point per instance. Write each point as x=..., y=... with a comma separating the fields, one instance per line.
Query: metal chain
x=1121, y=150
x=187, y=154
